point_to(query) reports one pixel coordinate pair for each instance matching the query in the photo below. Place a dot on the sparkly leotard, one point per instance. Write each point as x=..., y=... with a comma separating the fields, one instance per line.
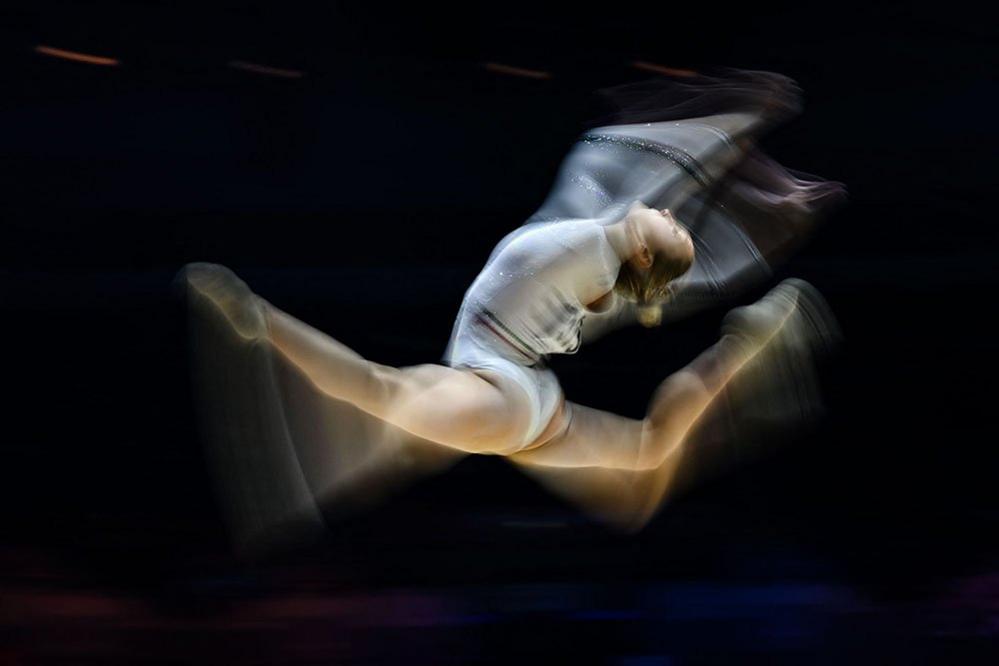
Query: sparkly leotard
x=530, y=301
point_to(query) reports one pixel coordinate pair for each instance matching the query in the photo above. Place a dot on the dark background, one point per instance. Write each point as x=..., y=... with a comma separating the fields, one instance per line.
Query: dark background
x=363, y=196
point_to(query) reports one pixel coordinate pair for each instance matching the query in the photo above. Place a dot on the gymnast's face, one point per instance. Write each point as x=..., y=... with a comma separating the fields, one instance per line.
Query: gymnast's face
x=661, y=235
x=656, y=235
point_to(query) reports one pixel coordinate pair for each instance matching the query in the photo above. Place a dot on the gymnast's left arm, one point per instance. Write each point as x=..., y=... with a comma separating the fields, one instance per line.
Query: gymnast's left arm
x=597, y=324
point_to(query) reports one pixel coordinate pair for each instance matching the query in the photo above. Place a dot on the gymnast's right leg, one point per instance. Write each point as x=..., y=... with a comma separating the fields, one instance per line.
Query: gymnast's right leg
x=464, y=410
x=461, y=409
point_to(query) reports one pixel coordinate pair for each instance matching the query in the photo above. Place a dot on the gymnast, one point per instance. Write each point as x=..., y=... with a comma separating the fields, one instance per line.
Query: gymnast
x=645, y=218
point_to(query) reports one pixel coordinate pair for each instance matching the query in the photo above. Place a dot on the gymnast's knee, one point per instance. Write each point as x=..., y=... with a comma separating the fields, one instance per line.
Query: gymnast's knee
x=653, y=450
x=674, y=404
x=681, y=386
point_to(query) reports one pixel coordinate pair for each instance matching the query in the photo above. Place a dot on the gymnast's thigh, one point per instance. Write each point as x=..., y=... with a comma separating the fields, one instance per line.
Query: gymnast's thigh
x=592, y=438
x=470, y=410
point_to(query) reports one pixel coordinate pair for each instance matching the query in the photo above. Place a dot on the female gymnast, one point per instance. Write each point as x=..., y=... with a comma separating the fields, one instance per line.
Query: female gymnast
x=646, y=219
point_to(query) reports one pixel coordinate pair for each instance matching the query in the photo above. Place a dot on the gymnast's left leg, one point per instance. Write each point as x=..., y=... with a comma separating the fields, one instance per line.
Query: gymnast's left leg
x=620, y=470
x=595, y=438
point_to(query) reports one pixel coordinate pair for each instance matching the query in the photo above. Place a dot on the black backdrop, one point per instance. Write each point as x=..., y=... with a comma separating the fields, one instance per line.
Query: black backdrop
x=362, y=196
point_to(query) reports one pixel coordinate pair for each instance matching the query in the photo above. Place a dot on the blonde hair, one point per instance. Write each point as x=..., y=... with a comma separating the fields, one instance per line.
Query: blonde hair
x=650, y=288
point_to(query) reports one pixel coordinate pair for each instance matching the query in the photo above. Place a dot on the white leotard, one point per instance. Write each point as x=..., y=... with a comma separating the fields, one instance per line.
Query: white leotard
x=530, y=301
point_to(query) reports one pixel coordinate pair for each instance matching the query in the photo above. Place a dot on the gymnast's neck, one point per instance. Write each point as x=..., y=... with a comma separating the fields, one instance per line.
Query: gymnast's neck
x=622, y=242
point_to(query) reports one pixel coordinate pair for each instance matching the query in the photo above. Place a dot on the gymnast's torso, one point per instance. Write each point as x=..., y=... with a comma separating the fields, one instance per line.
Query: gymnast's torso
x=530, y=299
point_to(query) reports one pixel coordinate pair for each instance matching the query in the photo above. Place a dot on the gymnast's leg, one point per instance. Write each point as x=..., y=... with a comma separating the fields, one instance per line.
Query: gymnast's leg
x=595, y=438
x=461, y=409
x=474, y=412
x=620, y=470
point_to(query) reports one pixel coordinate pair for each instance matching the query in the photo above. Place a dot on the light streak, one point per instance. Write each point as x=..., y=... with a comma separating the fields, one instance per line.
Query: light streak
x=77, y=56
x=517, y=71
x=662, y=69
x=266, y=70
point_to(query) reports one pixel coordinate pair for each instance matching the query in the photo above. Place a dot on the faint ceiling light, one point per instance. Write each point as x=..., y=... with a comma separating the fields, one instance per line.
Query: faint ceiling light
x=76, y=56
x=266, y=70
x=517, y=71
x=662, y=69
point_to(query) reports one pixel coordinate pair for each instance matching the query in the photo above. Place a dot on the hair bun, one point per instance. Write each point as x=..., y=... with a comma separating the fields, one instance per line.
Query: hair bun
x=650, y=315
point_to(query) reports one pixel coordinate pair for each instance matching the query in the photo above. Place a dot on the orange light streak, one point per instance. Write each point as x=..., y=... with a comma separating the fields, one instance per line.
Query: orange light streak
x=662, y=69
x=77, y=56
x=517, y=71
x=266, y=70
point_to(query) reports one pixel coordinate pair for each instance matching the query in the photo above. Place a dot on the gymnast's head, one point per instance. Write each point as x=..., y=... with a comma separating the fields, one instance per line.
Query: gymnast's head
x=658, y=250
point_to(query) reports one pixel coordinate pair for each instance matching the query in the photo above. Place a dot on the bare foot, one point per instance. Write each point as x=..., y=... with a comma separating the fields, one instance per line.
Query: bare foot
x=782, y=336
x=221, y=287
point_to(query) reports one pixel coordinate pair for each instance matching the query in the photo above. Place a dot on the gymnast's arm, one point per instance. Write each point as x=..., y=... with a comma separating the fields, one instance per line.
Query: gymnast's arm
x=596, y=325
